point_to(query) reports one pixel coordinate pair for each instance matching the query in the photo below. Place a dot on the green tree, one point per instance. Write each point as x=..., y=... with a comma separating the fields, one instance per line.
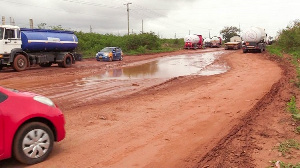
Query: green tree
x=42, y=25
x=228, y=32
x=58, y=27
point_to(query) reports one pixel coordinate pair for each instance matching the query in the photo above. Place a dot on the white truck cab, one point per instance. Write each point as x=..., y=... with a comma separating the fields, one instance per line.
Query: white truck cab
x=10, y=38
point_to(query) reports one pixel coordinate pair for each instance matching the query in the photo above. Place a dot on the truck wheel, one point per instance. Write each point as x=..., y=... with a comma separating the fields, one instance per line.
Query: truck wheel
x=244, y=51
x=33, y=143
x=67, y=61
x=20, y=63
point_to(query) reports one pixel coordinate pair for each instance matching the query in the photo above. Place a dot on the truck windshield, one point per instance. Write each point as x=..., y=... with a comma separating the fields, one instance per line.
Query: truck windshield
x=1, y=33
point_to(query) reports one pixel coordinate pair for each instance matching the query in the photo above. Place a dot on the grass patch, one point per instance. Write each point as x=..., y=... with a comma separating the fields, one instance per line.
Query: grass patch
x=291, y=106
x=285, y=165
x=275, y=50
x=286, y=146
x=298, y=130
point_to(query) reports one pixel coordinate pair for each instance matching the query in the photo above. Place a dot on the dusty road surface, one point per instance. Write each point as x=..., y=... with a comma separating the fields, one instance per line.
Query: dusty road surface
x=186, y=121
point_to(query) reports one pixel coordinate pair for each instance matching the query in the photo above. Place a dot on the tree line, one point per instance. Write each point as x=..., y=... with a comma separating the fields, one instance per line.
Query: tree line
x=134, y=44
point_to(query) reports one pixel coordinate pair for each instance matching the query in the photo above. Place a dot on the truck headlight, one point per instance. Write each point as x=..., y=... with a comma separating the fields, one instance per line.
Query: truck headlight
x=44, y=100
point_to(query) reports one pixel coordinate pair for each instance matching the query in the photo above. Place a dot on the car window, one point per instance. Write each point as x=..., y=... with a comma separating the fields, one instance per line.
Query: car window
x=106, y=50
x=2, y=97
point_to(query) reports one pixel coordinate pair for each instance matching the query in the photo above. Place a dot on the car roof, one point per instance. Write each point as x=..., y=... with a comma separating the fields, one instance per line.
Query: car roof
x=112, y=47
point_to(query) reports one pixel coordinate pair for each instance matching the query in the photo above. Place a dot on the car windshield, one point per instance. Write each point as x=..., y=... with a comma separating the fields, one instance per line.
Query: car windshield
x=106, y=49
x=1, y=33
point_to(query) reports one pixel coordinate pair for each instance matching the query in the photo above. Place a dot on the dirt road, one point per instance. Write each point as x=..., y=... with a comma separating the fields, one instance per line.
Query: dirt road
x=183, y=122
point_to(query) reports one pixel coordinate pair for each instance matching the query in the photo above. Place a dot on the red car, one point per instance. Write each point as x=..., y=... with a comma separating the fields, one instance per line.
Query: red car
x=29, y=125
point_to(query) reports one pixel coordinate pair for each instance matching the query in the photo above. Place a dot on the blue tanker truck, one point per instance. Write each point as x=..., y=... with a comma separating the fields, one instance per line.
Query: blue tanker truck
x=21, y=48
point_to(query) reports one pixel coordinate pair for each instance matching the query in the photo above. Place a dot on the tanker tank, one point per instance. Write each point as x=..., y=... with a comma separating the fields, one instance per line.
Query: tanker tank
x=254, y=39
x=37, y=40
x=191, y=38
x=254, y=34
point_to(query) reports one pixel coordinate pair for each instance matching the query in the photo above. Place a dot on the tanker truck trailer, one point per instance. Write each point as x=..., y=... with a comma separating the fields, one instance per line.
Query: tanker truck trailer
x=216, y=41
x=193, y=41
x=21, y=48
x=254, y=40
x=235, y=43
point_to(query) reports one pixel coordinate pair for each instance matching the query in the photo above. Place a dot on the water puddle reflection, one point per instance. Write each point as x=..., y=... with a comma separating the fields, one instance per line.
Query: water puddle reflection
x=168, y=67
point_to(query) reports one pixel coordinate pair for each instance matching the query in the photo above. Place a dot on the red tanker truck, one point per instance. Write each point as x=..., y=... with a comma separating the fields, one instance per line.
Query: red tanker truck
x=193, y=41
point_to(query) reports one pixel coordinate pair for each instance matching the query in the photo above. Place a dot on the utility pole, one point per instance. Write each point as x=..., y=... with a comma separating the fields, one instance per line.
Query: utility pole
x=91, y=29
x=142, y=26
x=209, y=32
x=31, y=23
x=3, y=20
x=128, y=14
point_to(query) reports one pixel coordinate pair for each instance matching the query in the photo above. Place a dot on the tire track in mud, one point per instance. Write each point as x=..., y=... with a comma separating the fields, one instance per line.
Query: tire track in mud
x=82, y=92
x=236, y=148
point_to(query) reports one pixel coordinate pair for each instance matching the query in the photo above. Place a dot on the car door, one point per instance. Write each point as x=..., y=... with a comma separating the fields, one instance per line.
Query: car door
x=1, y=133
x=114, y=53
x=118, y=53
x=2, y=98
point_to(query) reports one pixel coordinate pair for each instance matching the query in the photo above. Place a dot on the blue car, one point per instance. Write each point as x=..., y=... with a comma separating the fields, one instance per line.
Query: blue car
x=110, y=54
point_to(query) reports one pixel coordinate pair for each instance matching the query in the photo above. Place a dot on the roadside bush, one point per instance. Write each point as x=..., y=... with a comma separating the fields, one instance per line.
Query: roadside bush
x=148, y=40
x=289, y=38
x=90, y=43
x=288, y=42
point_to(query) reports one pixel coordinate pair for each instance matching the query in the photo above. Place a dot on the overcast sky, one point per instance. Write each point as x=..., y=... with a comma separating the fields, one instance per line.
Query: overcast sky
x=164, y=17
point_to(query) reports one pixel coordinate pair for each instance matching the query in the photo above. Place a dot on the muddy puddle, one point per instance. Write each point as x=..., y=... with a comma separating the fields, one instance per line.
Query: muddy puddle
x=168, y=67
x=127, y=80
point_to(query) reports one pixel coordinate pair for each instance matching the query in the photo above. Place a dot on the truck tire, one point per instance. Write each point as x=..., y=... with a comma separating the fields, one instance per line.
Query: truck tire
x=78, y=57
x=244, y=51
x=20, y=63
x=67, y=61
x=35, y=136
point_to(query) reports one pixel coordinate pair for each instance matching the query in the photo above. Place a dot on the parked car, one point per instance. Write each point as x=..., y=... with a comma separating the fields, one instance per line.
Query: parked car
x=29, y=125
x=110, y=54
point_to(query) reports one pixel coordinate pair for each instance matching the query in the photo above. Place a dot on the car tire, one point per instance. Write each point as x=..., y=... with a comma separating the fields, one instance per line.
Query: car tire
x=33, y=143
